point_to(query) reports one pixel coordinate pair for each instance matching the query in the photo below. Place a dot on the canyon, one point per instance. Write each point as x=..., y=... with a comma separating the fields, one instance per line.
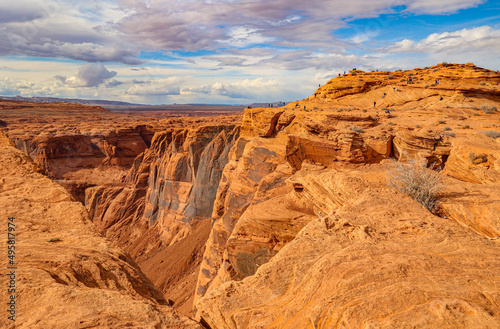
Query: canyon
x=278, y=217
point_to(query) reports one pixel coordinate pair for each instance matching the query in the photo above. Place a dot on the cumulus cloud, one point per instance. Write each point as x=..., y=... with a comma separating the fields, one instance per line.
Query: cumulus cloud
x=58, y=29
x=89, y=75
x=201, y=24
x=246, y=89
x=304, y=59
x=158, y=87
x=477, y=39
x=441, y=6
x=227, y=60
x=117, y=31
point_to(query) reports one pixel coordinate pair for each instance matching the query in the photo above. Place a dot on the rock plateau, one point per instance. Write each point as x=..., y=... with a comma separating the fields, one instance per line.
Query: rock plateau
x=284, y=218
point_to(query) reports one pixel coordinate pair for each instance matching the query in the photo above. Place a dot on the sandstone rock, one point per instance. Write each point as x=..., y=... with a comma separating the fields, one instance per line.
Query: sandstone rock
x=249, y=163
x=475, y=159
x=427, y=144
x=170, y=187
x=68, y=275
x=368, y=265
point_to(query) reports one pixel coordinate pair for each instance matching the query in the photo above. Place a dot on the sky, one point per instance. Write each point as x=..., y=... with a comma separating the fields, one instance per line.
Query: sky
x=229, y=51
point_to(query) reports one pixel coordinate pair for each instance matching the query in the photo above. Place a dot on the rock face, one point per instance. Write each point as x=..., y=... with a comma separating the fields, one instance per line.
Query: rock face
x=59, y=155
x=289, y=222
x=68, y=275
x=304, y=207
x=368, y=265
x=171, y=186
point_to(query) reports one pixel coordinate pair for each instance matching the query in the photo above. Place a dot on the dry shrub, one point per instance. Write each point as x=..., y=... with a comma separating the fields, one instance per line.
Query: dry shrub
x=478, y=158
x=491, y=133
x=414, y=179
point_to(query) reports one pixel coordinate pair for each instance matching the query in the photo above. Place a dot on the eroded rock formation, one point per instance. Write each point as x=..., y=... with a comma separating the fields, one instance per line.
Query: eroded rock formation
x=305, y=220
x=68, y=275
x=289, y=222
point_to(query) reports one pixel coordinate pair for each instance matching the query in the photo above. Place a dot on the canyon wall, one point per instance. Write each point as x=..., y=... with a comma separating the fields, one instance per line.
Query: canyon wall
x=169, y=189
x=67, y=275
x=288, y=221
x=304, y=214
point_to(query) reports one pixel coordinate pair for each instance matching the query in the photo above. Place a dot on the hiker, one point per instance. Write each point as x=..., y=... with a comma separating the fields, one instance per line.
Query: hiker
x=374, y=104
x=441, y=98
x=387, y=111
x=383, y=96
x=393, y=88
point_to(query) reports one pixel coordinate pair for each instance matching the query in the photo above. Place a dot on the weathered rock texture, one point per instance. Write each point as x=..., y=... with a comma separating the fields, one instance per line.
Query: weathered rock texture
x=79, y=279
x=171, y=185
x=308, y=234
x=291, y=216
x=368, y=265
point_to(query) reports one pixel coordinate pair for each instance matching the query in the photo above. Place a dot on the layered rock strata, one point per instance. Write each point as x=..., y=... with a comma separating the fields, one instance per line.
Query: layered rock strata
x=66, y=274
x=289, y=174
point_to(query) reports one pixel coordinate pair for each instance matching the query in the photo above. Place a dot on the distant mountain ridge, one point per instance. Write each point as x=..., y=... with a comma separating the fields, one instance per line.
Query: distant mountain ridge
x=106, y=103
x=69, y=100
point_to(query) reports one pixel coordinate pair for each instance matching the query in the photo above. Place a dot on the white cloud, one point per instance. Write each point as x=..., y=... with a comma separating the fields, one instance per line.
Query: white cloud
x=88, y=76
x=441, y=6
x=246, y=89
x=477, y=39
x=118, y=30
x=158, y=87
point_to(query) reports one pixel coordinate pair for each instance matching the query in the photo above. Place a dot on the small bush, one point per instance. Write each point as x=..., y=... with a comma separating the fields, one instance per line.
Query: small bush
x=449, y=134
x=488, y=110
x=491, y=133
x=466, y=127
x=417, y=126
x=482, y=83
x=476, y=114
x=426, y=86
x=478, y=158
x=441, y=122
x=357, y=129
x=365, y=110
x=447, y=129
x=390, y=123
x=418, y=182
x=54, y=240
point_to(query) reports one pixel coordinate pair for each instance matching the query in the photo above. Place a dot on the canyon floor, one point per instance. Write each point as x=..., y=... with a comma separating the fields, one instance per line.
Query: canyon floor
x=273, y=218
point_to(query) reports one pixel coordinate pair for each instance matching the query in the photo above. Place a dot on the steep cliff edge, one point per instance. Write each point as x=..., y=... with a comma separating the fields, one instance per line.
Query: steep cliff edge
x=380, y=261
x=166, y=200
x=291, y=170
x=288, y=220
x=68, y=275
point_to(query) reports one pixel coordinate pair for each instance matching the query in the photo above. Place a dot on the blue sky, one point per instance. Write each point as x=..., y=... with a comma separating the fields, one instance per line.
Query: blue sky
x=229, y=51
